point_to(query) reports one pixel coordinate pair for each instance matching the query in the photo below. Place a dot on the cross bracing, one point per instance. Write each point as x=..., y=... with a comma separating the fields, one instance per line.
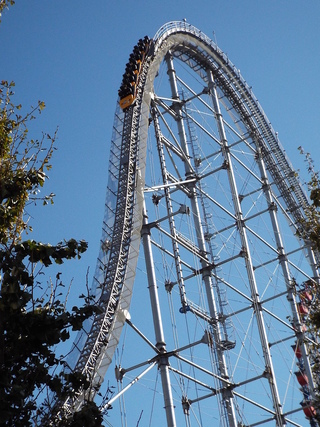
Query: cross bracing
x=216, y=246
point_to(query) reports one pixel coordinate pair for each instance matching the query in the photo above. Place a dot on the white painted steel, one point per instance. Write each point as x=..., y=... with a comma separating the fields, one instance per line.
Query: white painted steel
x=117, y=262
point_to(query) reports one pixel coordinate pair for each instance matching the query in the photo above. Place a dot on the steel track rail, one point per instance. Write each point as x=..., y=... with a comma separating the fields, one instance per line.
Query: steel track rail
x=90, y=361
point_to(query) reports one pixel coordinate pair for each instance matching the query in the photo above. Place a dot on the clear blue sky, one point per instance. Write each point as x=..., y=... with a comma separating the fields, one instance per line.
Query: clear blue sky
x=71, y=54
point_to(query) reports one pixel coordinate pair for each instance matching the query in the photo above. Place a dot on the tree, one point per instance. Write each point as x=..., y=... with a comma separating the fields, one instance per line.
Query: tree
x=310, y=231
x=33, y=319
x=4, y=4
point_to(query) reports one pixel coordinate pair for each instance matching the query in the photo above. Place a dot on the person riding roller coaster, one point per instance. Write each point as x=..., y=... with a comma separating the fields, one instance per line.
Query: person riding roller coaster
x=128, y=89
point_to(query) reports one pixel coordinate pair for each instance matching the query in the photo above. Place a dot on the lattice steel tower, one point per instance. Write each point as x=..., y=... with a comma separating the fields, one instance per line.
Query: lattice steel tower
x=198, y=178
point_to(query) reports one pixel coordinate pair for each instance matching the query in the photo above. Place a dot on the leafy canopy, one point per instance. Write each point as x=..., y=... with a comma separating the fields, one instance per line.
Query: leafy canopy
x=33, y=318
x=310, y=231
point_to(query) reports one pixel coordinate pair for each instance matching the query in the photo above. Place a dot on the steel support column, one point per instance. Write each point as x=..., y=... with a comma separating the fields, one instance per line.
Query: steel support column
x=227, y=400
x=285, y=268
x=163, y=361
x=249, y=267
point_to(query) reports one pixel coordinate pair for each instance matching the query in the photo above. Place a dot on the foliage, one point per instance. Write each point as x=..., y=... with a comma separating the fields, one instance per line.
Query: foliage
x=22, y=169
x=33, y=319
x=310, y=231
x=4, y=4
x=311, y=225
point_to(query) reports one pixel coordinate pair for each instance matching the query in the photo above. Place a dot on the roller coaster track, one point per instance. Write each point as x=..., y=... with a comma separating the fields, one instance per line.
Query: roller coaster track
x=94, y=347
x=91, y=361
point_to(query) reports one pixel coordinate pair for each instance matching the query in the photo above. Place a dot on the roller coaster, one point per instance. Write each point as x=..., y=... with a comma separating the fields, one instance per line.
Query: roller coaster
x=218, y=216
